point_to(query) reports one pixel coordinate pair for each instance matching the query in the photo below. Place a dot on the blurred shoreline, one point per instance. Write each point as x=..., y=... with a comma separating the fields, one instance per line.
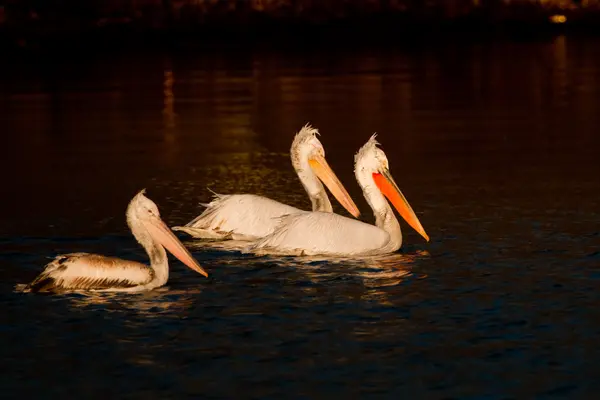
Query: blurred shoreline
x=52, y=25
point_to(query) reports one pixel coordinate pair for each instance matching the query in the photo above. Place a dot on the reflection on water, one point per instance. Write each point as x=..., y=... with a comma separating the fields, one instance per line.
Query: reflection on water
x=163, y=302
x=226, y=122
x=494, y=143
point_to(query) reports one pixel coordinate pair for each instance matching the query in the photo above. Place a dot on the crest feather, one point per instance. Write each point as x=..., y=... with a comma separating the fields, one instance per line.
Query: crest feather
x=306, y=133
x=141, y=193
x=371, y=144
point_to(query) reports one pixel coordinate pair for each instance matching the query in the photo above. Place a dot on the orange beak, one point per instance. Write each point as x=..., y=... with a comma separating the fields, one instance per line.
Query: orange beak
x=327, y=176
x=169, y=241
x=388, y=187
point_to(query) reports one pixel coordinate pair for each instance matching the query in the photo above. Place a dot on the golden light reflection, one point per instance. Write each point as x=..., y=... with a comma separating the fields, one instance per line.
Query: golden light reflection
x=560, y=72
x=168, y=109
x=389, y=270
x=558, y=19
x=161, y=302
x=376, y=273
x=169, y=117
x=225, y=100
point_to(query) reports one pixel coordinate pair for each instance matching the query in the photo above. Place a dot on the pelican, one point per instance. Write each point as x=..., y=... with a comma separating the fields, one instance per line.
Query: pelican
x=85, y=271
x=319, y=233
x=249, y=217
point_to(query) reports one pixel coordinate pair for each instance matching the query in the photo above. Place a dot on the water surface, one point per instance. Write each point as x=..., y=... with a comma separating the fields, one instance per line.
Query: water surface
x=494, y=144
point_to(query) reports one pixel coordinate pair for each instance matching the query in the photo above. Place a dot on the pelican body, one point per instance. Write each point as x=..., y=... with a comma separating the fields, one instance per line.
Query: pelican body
x=93, y=272
x=249, y=217
x=319, y=233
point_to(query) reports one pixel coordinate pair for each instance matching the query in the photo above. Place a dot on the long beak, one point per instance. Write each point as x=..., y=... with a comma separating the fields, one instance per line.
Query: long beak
x=388, y=187
x=327, y=176
x=166, y=238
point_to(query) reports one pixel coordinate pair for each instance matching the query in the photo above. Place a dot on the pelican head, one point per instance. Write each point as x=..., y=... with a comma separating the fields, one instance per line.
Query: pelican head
x=308, y=159
x=371, y=166
x=144, y=220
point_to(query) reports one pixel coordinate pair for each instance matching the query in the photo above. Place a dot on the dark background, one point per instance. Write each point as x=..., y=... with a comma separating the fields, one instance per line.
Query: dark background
x=489, y=118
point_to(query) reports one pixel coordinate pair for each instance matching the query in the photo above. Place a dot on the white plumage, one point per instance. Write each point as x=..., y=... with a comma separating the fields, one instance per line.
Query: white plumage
x=248, y=216
x=318, y=233
x=238, y=217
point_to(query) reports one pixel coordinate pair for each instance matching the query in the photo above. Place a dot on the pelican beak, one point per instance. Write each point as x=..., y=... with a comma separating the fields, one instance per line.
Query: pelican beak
x=388, y=187
x=163, y=235
x=327, y=176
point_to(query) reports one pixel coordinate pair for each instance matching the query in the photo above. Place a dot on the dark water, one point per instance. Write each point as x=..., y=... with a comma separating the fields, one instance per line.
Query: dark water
x=494, y=144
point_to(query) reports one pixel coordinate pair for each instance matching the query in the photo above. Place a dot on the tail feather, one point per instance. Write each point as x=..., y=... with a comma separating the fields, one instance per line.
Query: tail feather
x=215, y=194
x=41, y=284
x=208, y=213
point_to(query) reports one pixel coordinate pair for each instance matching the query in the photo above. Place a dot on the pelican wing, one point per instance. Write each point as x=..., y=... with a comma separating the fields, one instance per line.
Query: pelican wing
x=320, y=233
x=243, y=215
x=83, y=271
